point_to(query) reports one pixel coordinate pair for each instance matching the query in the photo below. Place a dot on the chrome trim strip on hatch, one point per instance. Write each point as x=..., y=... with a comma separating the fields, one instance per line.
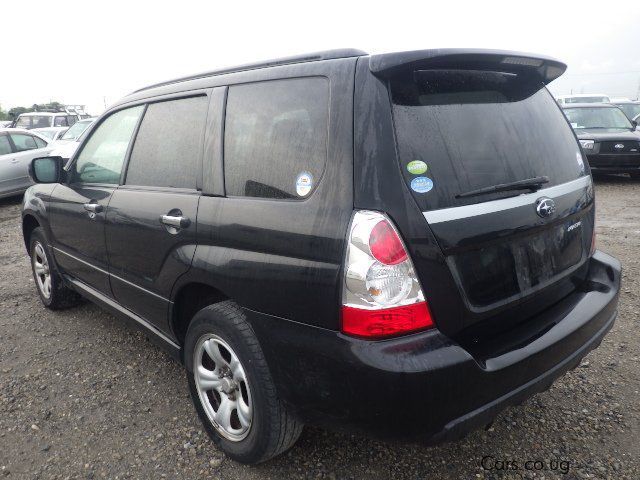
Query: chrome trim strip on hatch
x=466, y=211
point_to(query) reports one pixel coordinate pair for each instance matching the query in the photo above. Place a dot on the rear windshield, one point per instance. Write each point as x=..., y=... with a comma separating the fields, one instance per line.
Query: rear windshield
x=463, y=130
x=34, y=121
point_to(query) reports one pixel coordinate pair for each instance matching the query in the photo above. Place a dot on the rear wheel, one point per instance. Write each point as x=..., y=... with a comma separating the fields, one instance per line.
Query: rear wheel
x=232, y=389
x=53, y=292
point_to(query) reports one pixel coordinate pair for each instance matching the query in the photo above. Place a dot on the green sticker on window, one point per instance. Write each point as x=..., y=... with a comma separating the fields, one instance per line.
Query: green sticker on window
x=417, y=167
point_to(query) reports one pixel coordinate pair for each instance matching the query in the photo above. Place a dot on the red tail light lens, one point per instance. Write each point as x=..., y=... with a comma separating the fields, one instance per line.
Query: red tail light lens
x=386, y=322
x=385, y=244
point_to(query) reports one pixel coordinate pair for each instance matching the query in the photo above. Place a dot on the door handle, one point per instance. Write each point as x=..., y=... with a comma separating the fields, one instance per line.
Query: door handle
x=14, y=160
x=93, y=207
x=175, y=221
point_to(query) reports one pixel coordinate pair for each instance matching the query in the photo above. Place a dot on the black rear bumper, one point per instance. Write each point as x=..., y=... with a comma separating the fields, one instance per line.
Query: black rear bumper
x=426, y=385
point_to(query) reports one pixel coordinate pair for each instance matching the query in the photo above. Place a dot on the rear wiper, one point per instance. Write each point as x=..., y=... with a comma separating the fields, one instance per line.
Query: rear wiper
x=532, y=184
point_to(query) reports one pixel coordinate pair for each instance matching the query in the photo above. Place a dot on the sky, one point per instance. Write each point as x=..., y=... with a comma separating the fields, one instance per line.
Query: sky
x=95, y=52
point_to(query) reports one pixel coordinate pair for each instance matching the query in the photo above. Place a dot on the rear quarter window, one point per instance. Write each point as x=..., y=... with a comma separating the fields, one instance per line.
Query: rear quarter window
x=275, y=141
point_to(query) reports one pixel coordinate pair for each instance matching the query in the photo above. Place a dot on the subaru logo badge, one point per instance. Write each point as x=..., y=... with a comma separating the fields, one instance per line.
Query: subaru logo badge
x=545, y=207
x=619, y=146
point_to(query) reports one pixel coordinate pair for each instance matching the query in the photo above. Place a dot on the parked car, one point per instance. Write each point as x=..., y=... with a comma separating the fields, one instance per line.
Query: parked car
x=630, y=108
x=51, y=133
x=74, y=132
x=17, y=148
x=337, y=238
x=583, y=98
x=608, y=137
x=44, y=120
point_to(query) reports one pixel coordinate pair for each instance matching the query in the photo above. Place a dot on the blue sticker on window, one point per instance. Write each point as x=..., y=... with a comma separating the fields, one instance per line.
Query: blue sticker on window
x=421, y=184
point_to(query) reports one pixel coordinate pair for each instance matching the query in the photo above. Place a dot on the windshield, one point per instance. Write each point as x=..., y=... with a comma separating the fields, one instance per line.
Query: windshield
x=76, y=130
x=47, y=133
x=34, y=121
x=597, y=117
x=462, y=130
x=586, y=100
x=631, y=110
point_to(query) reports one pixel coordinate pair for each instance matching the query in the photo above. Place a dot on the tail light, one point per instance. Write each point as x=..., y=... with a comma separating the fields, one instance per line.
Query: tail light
x=381, y=295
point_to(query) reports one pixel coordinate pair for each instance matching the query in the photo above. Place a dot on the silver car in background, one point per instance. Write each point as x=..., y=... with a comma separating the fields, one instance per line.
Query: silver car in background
x=17, y=148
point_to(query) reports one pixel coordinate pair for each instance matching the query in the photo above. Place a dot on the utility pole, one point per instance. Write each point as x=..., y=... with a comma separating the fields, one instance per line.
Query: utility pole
x=638, y=92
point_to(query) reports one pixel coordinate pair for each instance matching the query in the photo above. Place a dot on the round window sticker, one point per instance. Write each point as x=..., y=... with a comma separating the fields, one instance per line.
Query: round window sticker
x=421, y=184
x=417, y=167
x=304, y=184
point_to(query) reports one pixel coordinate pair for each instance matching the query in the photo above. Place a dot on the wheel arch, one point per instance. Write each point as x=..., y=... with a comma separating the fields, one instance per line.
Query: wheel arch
x=29, y=223
x=190, y=298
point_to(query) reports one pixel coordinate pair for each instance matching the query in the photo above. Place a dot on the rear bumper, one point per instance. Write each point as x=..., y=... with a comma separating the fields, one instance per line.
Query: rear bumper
x=426, y=385
x=614, y=163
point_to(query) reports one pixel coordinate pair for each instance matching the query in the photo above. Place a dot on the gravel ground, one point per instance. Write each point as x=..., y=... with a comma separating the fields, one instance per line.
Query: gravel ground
x=84, y=396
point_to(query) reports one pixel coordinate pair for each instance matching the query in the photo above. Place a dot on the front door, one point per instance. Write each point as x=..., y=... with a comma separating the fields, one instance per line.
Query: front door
x=151, y=219
x=78, y=207
x=17, y=149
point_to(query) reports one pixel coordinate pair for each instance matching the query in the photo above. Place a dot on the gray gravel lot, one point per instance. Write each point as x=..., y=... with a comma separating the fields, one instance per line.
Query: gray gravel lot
x=84, y=396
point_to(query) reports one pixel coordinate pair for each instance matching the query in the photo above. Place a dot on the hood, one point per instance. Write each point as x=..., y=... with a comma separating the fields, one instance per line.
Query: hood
x=605, y=134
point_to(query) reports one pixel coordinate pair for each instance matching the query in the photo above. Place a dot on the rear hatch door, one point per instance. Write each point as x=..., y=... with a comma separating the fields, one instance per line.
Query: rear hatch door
x=469, y=129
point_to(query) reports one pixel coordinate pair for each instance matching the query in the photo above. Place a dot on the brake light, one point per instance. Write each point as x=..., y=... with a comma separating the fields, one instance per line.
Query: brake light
x=381, y=296
x=385, y=244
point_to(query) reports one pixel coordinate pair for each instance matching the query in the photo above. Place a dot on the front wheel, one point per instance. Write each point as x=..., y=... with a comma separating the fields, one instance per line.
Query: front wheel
x=53, y=292
x=232, y=389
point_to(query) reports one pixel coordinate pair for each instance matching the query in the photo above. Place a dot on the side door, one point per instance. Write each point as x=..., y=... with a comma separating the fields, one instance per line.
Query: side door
x=151, y=219
x=26, y=147
x=8, y=165
x=77, y=209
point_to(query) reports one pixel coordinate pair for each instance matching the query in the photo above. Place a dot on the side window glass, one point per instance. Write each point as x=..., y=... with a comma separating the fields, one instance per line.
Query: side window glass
x=5, y=146
x=23, y=142
x=275, y=140
x=101, y=158
x=39, y=142
x=60, y=122
x=168, y=146
x=71, y=119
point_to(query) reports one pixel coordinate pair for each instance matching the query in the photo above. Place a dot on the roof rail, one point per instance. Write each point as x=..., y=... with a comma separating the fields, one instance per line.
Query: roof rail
x=309, y=57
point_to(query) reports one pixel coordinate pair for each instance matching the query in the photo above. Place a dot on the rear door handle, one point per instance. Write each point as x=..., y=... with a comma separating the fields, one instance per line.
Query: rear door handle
x=93, y=207
x=14, y=160
x=174, y=221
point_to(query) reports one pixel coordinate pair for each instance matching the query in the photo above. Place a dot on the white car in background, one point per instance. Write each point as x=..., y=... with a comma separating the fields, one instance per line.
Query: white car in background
x=44, y=120
x=74, y=132
x=583, y=98
x=17, y=148
x=51, y=133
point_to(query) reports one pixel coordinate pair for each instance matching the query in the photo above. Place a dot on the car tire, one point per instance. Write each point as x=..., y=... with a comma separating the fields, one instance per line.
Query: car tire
x=55, y=295
x=219, y=338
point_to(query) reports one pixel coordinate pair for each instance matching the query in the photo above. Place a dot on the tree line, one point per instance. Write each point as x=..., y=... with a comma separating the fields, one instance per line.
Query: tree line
x=36, y=107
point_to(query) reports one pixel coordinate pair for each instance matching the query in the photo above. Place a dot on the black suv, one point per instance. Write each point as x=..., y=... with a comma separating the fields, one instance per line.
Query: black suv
x=608, y=137
x=399, y=244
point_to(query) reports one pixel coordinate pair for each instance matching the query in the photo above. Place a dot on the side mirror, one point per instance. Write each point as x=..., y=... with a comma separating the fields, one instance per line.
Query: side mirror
x=634, y=124
x=47, y=170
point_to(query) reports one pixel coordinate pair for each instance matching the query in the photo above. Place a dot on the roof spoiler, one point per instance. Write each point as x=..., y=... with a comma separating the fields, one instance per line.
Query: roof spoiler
x=387, y=65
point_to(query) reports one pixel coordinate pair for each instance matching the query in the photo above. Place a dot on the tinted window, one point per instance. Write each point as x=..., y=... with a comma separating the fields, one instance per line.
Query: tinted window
x=468, y=130
x=23, y=142
x=100, y=161
x=168, y=146
x=5, y=147
x=71, y=119
x=276, y=137
x=34, y=121
x=41, y=143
